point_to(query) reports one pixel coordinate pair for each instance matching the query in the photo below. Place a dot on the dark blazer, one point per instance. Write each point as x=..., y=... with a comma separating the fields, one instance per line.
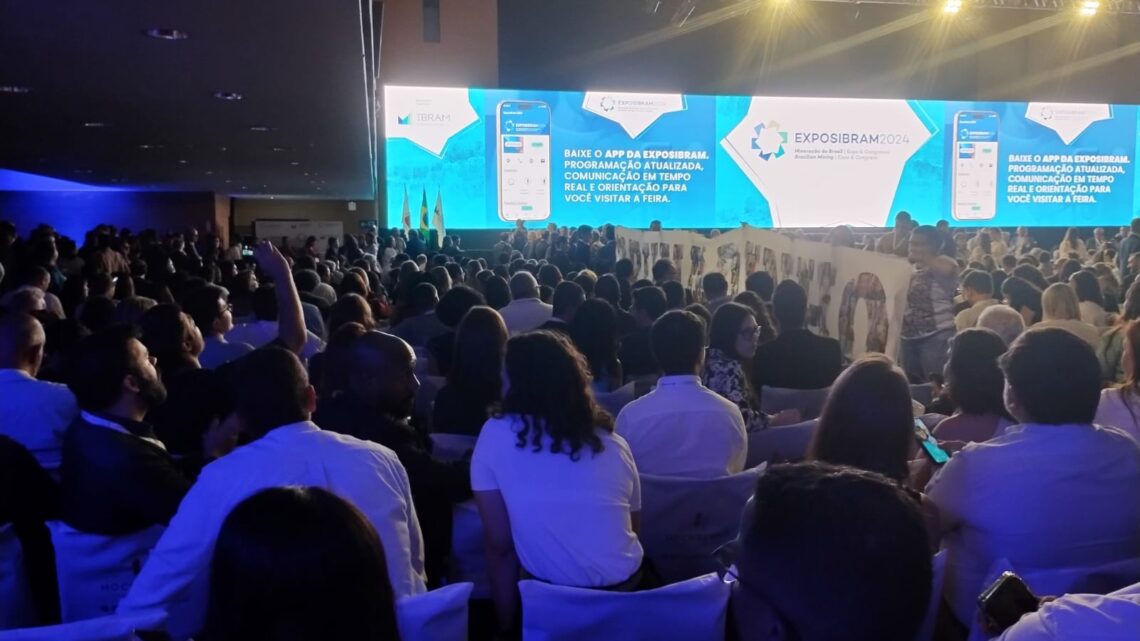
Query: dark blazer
x=636, y=354
x=117, y=483
x=556, y=325
x=797, y=359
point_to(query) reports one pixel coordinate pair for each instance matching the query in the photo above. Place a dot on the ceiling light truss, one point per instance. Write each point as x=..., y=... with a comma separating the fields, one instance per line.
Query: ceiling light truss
x=1131, y=7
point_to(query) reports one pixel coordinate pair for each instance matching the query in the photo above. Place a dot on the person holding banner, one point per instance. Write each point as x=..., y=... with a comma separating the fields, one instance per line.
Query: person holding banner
x=928, y=323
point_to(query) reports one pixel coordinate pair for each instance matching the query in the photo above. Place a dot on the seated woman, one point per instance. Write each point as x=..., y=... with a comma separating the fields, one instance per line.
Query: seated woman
x=1091, y=299
x=868, y=423
x=733, y=338
x=1061, y=309
x=474, y=383
x=1120, y=406
x=595, y=333
x=975, y=383
x=298, y=564
x=557, y=490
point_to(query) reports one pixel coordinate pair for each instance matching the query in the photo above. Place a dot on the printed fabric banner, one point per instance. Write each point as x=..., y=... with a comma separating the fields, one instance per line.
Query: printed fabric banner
x=855, y=296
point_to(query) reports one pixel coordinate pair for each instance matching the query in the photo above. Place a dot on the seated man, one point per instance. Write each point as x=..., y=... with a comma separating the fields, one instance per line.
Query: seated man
x=1053, y=492
x=116, y=476
x=568, y=297
x=425, y=325
x=797, y=358
x=829, y=553
x=525, y=311
x=274, y=401
x=33, y=413
x=635, y=351
x=682, y=428
x=380, y=397
x=1004, y=320
x=978, y=291
x=715, y=286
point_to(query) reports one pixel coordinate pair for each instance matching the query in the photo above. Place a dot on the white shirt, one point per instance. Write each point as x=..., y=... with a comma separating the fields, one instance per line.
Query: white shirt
x=968, y=317
x=260, y=333
x=1094, y=315
x=1041, y=496
x=216, y=352
x=1082, y=617
x=683, y=428
x=524, y=314
x=1113, y=411
x=1080, y=329
x=366, y=474
x=570, y=519
x=35, y=414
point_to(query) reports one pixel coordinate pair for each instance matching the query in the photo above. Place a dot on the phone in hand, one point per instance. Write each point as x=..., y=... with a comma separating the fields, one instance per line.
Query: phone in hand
x=1005, y=601
x=929, y=444
x=246, y=251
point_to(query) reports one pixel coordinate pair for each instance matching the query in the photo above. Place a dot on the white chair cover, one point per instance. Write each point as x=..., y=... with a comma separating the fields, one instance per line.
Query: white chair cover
x=776, y=444
x=451, y=447
x=938, y=565
x=692, y=610
x=685, y=520
x=808, y=401
x=96, y=571
x=439, y=615
x=16, y=607
x=109, y=628
x=468, y=559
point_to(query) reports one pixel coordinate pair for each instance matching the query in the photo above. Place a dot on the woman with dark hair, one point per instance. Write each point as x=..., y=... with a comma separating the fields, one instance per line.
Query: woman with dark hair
x=1120, y=406
x=1071, y=244
x=1091, y=300
x=868, y=423
x=763, y=316
x=474, y=382
x=497, y=292
x=1066, y=268
x=975, y=385
x=172, y=338
x=1031, y=275
x=299, y=564
x=1111, y=349
x=733, y=337
x=594, y=332
x=1021, y=295
x=557, y=490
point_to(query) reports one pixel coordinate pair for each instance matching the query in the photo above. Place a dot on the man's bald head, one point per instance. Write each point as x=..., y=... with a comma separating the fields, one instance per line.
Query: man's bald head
x=21, y=343
x=523, y=285
x=384, y=373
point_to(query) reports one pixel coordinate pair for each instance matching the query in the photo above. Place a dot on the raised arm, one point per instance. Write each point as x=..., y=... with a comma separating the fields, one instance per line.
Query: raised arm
x=290, y=317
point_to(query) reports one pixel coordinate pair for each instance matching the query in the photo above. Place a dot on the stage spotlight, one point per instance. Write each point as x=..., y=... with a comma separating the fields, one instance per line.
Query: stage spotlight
x=1089, y=7
x=952, y=6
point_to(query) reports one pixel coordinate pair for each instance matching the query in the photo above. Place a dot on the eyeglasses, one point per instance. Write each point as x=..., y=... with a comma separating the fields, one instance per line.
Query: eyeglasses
x=753, y=332
x=725, y=556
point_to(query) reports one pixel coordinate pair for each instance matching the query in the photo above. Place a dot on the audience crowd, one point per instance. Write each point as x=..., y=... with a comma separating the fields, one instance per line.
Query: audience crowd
x=276, y=420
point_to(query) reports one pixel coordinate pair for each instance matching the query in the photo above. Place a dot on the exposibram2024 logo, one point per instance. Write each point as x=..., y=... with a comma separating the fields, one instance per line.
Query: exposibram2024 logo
x=769, y=140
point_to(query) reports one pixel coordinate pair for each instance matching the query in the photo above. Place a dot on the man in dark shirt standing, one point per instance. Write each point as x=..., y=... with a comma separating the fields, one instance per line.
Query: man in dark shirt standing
x=797, y=359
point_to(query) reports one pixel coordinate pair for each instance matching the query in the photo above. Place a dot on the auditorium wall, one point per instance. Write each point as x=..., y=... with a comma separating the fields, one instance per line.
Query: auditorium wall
x=247, y=210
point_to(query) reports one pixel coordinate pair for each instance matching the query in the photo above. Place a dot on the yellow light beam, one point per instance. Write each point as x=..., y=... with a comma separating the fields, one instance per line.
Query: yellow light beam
x=1077, y=66
x=852, y=41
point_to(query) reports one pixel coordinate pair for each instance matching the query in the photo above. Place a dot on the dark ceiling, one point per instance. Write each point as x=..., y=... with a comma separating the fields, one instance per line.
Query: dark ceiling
x=298, y=64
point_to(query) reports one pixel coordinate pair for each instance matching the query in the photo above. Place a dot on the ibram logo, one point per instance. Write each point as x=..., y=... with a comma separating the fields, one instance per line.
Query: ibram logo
x=769, y=140
x=406, y=119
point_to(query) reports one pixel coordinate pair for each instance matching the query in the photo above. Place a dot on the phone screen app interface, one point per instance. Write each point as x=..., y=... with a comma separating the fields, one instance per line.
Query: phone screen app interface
x=975, y=165
x=524, y=160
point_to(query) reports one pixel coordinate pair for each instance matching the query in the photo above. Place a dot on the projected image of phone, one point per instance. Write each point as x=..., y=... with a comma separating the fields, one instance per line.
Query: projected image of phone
x=929, y=444
x=975, y=162
x=523, y=150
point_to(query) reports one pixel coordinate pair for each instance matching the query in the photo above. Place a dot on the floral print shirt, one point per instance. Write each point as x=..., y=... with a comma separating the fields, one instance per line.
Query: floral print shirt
x=725, y=376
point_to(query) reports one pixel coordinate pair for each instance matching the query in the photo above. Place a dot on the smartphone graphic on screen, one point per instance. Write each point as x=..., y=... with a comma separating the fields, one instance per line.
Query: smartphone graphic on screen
x=929, y=444
x=975, y=162
x=522, y=145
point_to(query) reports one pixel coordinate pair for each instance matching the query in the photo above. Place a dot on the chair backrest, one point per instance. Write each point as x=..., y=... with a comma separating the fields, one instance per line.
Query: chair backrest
x=613, y=401
x=777, y=444
x=808, y=401
x=16, y=608
x=692, y=610
x=685, y=520
x=938, y=566
x=108, y=628
x=451, y=447
x=439, y=615
x=96, y=571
